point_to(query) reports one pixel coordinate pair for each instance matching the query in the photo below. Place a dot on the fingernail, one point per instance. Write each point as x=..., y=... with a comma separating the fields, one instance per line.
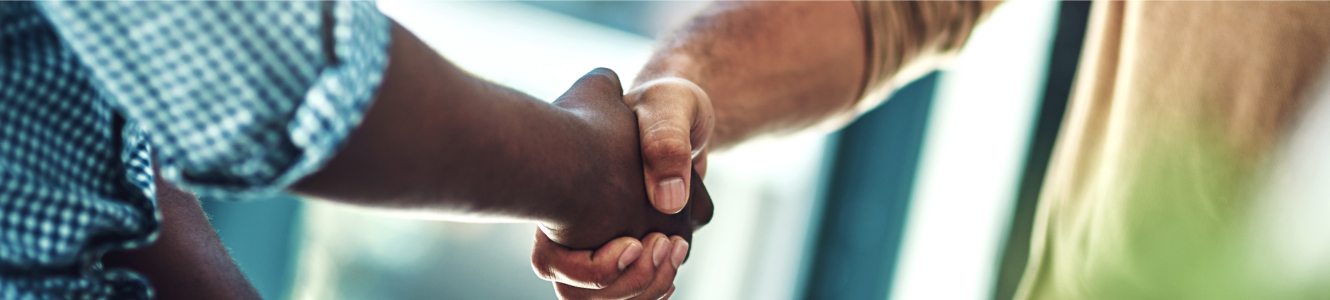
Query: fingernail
x=662, y=246
x=680, y=252
x=629, y=255
x=670, y=194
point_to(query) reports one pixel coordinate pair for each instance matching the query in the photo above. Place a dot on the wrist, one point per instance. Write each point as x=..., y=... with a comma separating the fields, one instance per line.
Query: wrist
x=598, y=199
x=567, y=188
x=671, y=64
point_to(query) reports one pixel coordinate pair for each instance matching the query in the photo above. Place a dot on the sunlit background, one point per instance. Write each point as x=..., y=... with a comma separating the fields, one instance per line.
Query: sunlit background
x=913, y=201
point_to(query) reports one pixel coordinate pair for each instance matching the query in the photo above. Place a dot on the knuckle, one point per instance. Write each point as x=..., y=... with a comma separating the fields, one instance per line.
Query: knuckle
x=607, y=73
x=542, y=268
x=637, y=284
x=602, y=280
x=565, y=292
x=604, y=76
x=662, y=148
x=655, y=292
x=591, y=277
x=545, y=268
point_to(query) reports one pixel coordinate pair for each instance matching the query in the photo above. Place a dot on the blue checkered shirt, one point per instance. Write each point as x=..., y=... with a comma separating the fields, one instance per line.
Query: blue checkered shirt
x=234, y=99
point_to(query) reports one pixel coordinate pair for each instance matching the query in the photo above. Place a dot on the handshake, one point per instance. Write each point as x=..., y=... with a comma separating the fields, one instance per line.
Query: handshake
x=642, y=149
x=608, y=175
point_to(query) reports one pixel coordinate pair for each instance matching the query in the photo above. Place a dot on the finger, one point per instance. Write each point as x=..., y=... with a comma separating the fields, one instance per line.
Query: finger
x=598, y=87
x=642, y=277
x=702, y=209
x=679, y=252
x=583, y=268
x=674, y=120
x=664, y=281
x=661, y=286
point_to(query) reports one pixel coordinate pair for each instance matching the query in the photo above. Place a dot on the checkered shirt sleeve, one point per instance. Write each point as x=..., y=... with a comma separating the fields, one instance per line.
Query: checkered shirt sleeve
x=236, y=100
x=239, y=99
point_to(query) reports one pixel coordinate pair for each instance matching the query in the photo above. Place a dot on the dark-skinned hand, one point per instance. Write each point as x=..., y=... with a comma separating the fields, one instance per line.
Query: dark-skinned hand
x=619, y=213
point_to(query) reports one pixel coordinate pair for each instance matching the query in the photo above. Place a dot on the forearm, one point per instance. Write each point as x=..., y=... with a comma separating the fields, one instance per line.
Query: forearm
x=775, y=67
x=440, y=140
x=767, y=66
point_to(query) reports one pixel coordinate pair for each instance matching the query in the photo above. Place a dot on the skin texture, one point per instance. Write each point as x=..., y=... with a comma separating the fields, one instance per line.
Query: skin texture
x=187, y=261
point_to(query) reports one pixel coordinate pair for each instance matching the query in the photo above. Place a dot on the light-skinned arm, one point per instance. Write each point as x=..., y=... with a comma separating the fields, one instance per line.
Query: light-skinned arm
x=744, y=69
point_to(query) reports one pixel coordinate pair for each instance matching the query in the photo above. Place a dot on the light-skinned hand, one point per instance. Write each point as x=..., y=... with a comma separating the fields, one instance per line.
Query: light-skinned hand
x=675, y=119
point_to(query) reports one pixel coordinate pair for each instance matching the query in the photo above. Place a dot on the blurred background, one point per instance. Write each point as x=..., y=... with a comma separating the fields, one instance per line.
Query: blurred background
x=928, y=197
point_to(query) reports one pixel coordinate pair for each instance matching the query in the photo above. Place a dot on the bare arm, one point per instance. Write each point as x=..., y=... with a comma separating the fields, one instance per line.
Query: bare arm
x=767, y=66
x=187, y=261
x=437, y=139
x=744, y=69
x=773, y=67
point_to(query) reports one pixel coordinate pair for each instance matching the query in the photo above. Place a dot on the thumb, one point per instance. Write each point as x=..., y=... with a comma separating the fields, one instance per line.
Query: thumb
x=675, y=120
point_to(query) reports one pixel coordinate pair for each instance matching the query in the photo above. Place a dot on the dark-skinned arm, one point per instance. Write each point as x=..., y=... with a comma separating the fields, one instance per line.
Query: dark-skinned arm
x=188, y=260
x=441, y=143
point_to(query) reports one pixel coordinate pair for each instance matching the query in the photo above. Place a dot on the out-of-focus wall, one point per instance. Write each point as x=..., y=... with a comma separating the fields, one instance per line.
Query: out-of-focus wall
x=977, y=139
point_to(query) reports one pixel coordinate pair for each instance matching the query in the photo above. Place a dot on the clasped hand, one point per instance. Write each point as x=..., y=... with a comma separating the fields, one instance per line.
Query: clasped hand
x=619, y=211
